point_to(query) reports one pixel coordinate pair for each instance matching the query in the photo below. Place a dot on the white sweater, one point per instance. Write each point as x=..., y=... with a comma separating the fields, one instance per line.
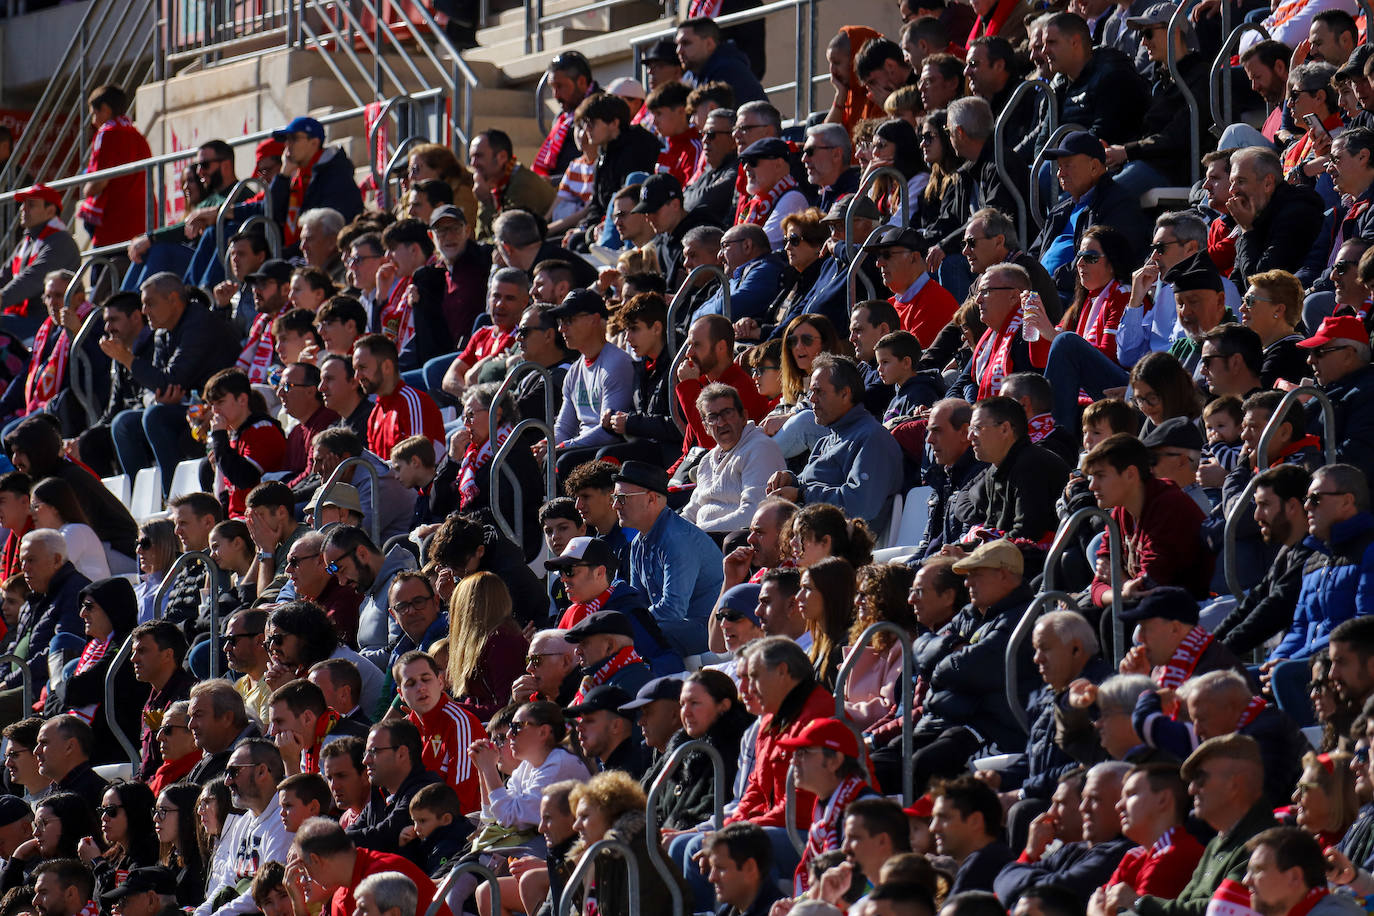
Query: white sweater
x=730, y=485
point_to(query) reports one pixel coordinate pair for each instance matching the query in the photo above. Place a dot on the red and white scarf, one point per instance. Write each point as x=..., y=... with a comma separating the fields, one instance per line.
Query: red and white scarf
x=547, y=157
x=1093, y=328
x=310, y=756
x=295, y=198
x=498, y=187
x=1040, y=426
x=756, y=209
x=91, y=655
x=579, y=611
x=825, y=834
x=1185, y=658
x=1251, y=712
x=25, y=254
x=992, y=356
x=1231, y=898
x=43, y=385
x=257, y=357
x=992, y=26
x=398, y=316
x=92, y=908
x=608, y=670
x=474, y=459
x=708, y=8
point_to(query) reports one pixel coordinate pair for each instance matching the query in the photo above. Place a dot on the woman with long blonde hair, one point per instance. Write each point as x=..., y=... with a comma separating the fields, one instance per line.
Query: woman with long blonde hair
x=486, y=647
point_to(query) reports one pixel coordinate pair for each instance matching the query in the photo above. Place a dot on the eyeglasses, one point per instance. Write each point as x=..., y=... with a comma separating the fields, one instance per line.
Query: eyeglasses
x=202, y=164
x=405, y=607
x=929, y=138
x=1318, y=686
x=14, y=752
x=758, y=371
x=232, y=770
x=792, y=241
x=745, y=128
x=997, y=289
x=333, y=568
x=1149, y=400
x=714, y=419
x=1207, y=358
x=287, y=386
x=516, y=727
x=1294, y=93
x=618, y=499
x=273, y=641
x=142, y=543
x=1362, y=755
x=1161, y=247
x=1249, y=300
x=1327, y=351
x=534, y=657
x=1312, y=499
x=802, y=339
x=1089, y=257
x=374, y=751
x=710, y=135
x=354, y=260
x=293, y=562
x=1342, y=266
x=971, y=240
x=161, y=811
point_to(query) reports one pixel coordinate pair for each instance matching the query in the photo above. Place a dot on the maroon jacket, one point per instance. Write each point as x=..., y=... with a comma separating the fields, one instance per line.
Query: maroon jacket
x=1164, y=543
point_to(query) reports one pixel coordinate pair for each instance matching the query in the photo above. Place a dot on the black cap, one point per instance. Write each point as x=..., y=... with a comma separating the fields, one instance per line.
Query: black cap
x=662, y=50
x=1197, y=271
x=13, y=809
x=864, y=208
x=1167, y=602
x=668, y=687
x=447, y=211
x=585, y=551
x=1078, y=143
x=643, y=474
x=602, y=697
x=767, y=148
x=1176, y=432
x=601, y=623
x=656, y=191
x=579, y=302
x=898, y=237
x=149, y=878
x=272, y=269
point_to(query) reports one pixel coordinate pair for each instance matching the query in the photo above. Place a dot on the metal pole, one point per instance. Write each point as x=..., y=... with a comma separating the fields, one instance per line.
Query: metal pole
x=856, y=261
x=216, y=585
x=1018, y=638
x=25, y=675
x=1219, y=84
x=908, y=698
x=498, y=462
x=1055, y=136
x=790, y=810
x=584, y=865
x=999, y=143
x=1117, y=578
x=357, y=461
x=1176, y=23
x=885, y=171
x=111, y=720
x=465, y=868
x=271, y=234
x=683, y=295
x=670, y=766
x=222, y=214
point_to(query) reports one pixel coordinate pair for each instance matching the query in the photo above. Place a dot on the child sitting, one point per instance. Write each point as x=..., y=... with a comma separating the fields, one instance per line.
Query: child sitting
x=1222, y=417
x=897, y=354
x=438, y=826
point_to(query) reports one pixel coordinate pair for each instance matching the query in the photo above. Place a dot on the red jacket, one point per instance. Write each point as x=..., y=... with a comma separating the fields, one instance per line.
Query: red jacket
x=1163, y=542
x=755, y=404
x=446, y=731
x=927, y=313
x=764, y=801
x=1164, y=869
x=374, y=863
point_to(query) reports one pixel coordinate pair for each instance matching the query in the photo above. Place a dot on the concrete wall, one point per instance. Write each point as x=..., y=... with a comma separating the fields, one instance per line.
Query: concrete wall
x=33, y=46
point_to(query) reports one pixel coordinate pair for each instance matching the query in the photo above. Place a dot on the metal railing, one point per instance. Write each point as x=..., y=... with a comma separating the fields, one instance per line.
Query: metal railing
x=1176, y=24
x=357, y=461
x=908, y=697
x=857, y=258
x=83, y=373
x=518, y=371
x=498, y=466
x=1019, y=635
x=121, y=658
x=231, y=200
x=25, y=677
x=1036, y=211
x=1116, y=577
x=1235, y=513
x=584, y=865
x=855, y=270
x=393, y=166
x=209, y=31
x=216, y=590
x=999, y=143
x=683, y=297
x=789, y=810
x=270, y=233
x=1219, y=77
x=803, y=89
x=675, y=759
x=465, y=868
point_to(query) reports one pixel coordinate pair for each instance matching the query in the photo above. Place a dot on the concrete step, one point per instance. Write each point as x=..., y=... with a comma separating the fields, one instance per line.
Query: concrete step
x=514, y=46
x=601, y=50
x=614, y=17
x=509, y=102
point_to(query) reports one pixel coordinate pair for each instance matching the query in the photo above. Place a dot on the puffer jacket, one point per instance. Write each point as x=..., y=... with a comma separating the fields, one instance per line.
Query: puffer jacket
x=688, y=798
x=1337, y=584
x=962, y=693
x=1039, y=768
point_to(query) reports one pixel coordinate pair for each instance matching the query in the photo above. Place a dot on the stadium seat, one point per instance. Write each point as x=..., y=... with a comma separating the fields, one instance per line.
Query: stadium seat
x=119, y=486
x=147, y=497
x=185, y=479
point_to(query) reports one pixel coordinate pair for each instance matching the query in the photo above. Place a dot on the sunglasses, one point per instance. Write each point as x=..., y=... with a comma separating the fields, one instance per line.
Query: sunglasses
x=108, y=810
x=791, y=241
x=1088, y=257
x=143, y=543
x=1342, y=266
x=728, y=616
x=805, y=340
x=758, y=371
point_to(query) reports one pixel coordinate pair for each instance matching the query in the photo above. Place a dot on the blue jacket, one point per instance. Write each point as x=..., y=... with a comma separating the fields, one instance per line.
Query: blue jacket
x=829, y=295
x=731, y=65
x=1337, y=584
x=1077, y=867
x=678, y=565
x=1039, y=768
x=650, y=642
x=1352, y=397
x=856, y=465
x=753, y=287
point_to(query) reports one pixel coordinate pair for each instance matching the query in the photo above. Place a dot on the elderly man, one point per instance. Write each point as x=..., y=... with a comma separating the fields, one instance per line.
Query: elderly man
x=990, y=238
x=219, y=723
x=856, y=465
x=1339, y=354
x=449, y=289
x=733, y=477
x=387, y=893
x=755, y=274
x=604, y=647
x=829, y=295
x=770, y=191
x=668, y=543
x=827, y=157
x=310, y=579
x=953, y=470
x=63, y=752
x=762, y=549
x=360, y=564
x=923, y=305
x=1277, y=220
x=501, y=183
x=551, y=671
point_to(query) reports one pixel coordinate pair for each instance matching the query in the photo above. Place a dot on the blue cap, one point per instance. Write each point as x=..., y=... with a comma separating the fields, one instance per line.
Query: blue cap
x=743, y=599
x=302, y=125
x=1078, y=143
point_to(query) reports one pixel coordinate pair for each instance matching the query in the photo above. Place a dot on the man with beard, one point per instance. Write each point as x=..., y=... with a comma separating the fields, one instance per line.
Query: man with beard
x=63, y=887
x=400, y=411
x=1287, y=870
x=258, y=835
x=360, y=564
x=340, y=392
x=508, y=295
x=171, y=248
x=448, y=294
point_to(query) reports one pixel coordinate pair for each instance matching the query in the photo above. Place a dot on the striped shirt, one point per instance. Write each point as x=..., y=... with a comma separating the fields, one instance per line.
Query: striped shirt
x=445, y=733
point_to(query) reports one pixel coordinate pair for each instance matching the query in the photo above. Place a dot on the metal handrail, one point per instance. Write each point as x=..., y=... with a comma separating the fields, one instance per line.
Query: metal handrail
x=25, y=675
x=465, y=868
x=1221, y=100
x=789, y=809
x=462, y=73
x=851, y=280
x=684, y=295
x=1234, y=514
x=120, y=659
x=271, y=233
x=541, y=113
x=1055, y=136
x=675, y=759
x=83, y=375
x=337, y=478
x=1117, y=578
x=402, y=149
x=498, y=464
x=1019, y=635
x=999, y=145
x=517, y=372
x=584, y=865
x=375, y=128
x=1176, y=23
x=231, y=200
x=216, y=590
x=886, y=171
x=908, y=698
x=675, y=410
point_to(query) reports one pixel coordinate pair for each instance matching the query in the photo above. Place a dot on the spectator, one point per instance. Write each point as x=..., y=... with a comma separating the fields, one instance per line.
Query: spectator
x=923, y=305
x=1277, y=220
x=826, y=760
x=953, y=470
x=501, y=183
x=508, y=296
x=1154, y=803
x=570, y=79
x=63, y=886
x=449, y=289
x=54, y=506
x=399, y=411
x=710, y=57
x=967, y=825
x=710, y=190
x=625, y=148
x=1091, y=77
x=1002, y=349
x=392, y=761
x=770, y=191
x=740, y=857
x=245, y=443
x=828, y=158
x=1337, y=353
x=45, y=246
x=1035, y=395
x=673, y=122
x=606, y=730
x=113, y=208
x=359, y=563
x=158, y=650
x=732, y=478
x=125, y=322
x=51, y=622
x=882, y=69
x=337, y=444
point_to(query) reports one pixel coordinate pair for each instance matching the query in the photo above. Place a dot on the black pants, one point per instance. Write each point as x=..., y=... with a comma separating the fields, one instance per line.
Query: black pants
x=944, y=754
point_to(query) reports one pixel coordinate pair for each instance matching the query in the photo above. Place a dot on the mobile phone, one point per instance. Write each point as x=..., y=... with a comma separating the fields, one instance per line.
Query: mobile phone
x=1315, y=128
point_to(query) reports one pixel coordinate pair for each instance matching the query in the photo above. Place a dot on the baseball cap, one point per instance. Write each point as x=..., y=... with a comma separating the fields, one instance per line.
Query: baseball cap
x=827, y=733
x=579, y=302
x=656, y=191
x=1347, y=328
x=864, y=208
x=302, y=125
x=626, y=88
x=41, y=192
x=1167, y=602
x=642, y=474
x=12, y=809
x=584, y=550
x=668, y=687
x=741, y=600
x=921, y=807
x=601, y=623
x=343, y=496
x=1176, y=432
x=1078, y=143
x=1162, y=14
x=446, y=211
x=998, y=554
x=767, y=148
x=272, y=269
x=602, y=697
x=898, y=237
x=662, y=50
x=1197, y=271
x=269, y=149
x=156, y=878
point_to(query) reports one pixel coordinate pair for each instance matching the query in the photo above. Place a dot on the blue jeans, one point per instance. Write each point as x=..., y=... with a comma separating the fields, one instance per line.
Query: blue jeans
x=1138, y=177
x=684, y=846
x=1074, y=365
x=151, y=434
x=205, y=269
x=430, y=376
x=160, y=257
x=1288, y=681
x=1315, y=307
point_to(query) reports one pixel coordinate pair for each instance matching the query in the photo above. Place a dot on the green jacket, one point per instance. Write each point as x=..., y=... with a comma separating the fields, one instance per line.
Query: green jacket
x=1224, y=857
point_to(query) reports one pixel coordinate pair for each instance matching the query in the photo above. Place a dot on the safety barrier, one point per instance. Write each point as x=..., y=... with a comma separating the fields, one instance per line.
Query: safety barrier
x=999, y=143
x=517, y=372
x=466, y=868
x=856, y=258
x=584, y=864
x=789, y=817
x=498, y=466
x=1242, y=503
x=1055, y=136
x=121, y=658
x=1219, y=77
x=231, y=200
x=25, y=676
x=393, y=165
x=854, y=273
x=1117, y=579
x=908, y=697
x=357, y=461
x=683, y=297
x=270, y=233
x=1176, y=25
x=83, y=373
x=675, y=759
x=1019, y=635
x=216, y=589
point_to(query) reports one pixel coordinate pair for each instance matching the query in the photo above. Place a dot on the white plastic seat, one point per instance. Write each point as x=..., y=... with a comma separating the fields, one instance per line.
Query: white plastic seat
x=119, y=486
x=1155, y=197
x=147, y=497
x=186, y=478
x=894, y=524
x=915, y=515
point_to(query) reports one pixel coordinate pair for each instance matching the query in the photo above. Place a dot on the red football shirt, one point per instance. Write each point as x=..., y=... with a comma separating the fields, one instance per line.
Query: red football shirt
x=446, y=732
x=263, y=444
x=404, y=413
x=119, y=211
x=680, y=158
x=927, y=313
x=374, y=863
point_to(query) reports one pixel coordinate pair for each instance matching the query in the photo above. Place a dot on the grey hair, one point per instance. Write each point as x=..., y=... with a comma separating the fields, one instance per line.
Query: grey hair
x=1119, y=692
x=834, y=135
x=311, y=540
x=513, y=275
x=752, y=234
x=50, y=539
x=973, y=115
x=769, y=113
x=998, y=222
x=326, y=219
x=182, y=707
x=517, y=228
x=224, y=699
x=485, y=395
x=554, y=639
x=1018, y=273
x=725, y=114
x=391, y=890
x=67, y=275
x=709, y=236
x=164, y=284
x=1187, y=225
x=714, y=392
x=1346, y=478
x=1070, y=626
x=1265, y=162
x=1216, y=682
x=775, y=651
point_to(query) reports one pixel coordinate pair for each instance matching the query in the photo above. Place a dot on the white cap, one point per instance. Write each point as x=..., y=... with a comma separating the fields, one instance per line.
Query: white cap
x=626, y=88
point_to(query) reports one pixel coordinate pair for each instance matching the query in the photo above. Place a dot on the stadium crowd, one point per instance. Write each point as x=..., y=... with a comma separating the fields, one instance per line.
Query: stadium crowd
x=368, y=676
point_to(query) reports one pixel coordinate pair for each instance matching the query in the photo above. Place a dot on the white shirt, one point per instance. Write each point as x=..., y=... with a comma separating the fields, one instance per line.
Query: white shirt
x=249, y=842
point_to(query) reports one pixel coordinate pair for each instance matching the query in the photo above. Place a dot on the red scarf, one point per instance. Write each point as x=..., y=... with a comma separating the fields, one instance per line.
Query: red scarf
x=398, y=318
x=1231, y=898
x=498, y=187
x=547, y=157
x=474, y=459
x=310, y=757
x=992, y=355
x=1041, y=426
x=825, y=834
x=1297, y=152
x=981, y=27
x=1185, y=658
x=757, y=209
x=608, y=670
x=296, y=198
x=24, y=255
x=708, y=8
x=1307, y=441
x=579, y=611
x=91, y=655
x=1251, y=712
x=257, y=357
x=1093, y=326
x=45, y=383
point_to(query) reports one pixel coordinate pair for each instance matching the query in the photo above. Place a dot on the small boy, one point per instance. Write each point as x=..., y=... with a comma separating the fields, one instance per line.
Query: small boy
x=897, y=354
x=446, y=728
x=439, y=827
x=302, y=796
x=682, y=142
x=1222, y=417
x=269, y=890
x=1102, y=418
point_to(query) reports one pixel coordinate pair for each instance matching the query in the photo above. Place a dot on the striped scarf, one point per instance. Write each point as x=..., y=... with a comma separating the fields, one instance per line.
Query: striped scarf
x=757, y=208
x=257, y=357
x=547, y=157
x=825, y=832
x=91, y=655
x=43, y=385
x=1185, y=658
x=295, y=198
x=992, y=355
x=474, y=459
x=609, y=669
